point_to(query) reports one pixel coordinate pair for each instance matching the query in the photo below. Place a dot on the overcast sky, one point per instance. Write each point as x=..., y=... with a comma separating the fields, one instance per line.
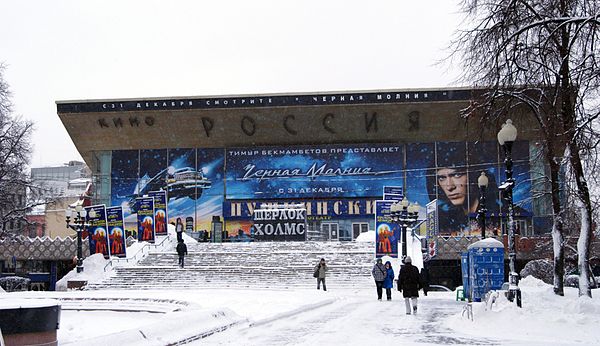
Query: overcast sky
x=74, y=50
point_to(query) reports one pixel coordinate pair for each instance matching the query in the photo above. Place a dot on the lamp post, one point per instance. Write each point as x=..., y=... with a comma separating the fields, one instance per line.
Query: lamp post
x=79, y=215
x=506, y=137
x=405, y=215
x=482, y=182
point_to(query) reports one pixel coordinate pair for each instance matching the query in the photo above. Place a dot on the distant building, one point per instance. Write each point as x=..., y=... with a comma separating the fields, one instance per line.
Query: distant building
x=70, y=179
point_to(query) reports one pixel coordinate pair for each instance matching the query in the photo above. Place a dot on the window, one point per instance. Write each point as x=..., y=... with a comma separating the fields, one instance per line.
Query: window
x=330, y=229
x=359, y=227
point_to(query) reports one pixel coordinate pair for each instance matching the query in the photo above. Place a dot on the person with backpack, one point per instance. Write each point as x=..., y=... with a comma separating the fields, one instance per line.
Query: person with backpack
x=379, y=273
x=181, y=251
x=388, y=282
x=409, y=282
x=320, y=270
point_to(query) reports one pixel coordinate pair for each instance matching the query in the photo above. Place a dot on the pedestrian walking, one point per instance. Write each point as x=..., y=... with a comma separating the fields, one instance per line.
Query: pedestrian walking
x=320, y=270
x=388, y=282
x=181, y=251
x=409, y=282
x=425, y=278
x=379, y=273
x=179, y=230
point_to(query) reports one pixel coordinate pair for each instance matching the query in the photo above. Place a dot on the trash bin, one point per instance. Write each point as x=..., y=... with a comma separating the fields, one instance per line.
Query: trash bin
x=485, y=267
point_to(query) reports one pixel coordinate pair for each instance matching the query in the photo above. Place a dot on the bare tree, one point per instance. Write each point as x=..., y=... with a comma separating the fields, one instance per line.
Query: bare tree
x=542, y=56
x=17, y=194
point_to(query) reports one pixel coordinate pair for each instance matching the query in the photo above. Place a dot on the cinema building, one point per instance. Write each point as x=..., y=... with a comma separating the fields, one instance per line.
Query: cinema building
x=334, y=152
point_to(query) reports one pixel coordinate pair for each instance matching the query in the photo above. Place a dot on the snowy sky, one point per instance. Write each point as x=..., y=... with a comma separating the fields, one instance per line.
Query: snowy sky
x=72, y=50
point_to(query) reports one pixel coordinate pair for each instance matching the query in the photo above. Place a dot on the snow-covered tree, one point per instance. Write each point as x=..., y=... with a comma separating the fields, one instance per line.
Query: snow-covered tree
x=17, y=194
x=540, y=55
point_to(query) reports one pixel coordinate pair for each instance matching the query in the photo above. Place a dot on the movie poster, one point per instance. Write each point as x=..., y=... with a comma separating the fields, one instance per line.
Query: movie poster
x=210, y=188
x=483, y=158
x=280, y=223
x=124, y=184
x=160, y=211
x=145, y=219
x=432, y=228
x=521, y=173
x=420, y=160
x=116, y=232
x=98, y=232
x=387, y=232
x=181, y=185
x=323, y=171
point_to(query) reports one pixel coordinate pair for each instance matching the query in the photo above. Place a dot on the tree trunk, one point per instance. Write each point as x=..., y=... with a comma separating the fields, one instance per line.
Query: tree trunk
x=585, y=234
x=558, y=239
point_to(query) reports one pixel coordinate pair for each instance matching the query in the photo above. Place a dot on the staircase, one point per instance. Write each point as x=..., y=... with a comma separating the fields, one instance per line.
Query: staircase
x=248, y=265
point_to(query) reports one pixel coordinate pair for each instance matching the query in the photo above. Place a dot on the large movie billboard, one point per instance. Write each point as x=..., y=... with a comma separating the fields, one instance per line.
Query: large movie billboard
x=329, y=171
x=192, y=179
x=337, y=181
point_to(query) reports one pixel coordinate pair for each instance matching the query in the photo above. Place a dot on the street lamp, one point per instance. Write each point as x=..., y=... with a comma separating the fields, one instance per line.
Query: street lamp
x=482, y=182
x=506, y=137
x=79, y=215
x=405, y=215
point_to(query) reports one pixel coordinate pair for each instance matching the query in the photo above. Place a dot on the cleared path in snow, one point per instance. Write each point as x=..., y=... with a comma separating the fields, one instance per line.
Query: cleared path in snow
x=357, y=318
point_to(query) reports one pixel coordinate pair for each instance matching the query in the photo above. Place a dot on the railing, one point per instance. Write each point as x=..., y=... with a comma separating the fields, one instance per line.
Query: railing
x=141, y=251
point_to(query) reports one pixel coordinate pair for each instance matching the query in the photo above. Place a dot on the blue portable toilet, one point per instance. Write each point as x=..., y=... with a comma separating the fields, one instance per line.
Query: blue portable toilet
x=464, y=268
x=486, y=267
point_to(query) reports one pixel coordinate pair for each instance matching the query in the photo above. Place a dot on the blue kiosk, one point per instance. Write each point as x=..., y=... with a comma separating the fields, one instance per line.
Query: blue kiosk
x=482, y=268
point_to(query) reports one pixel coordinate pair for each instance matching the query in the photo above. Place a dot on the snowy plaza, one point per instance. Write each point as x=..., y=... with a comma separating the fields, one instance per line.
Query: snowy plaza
x=271, y=309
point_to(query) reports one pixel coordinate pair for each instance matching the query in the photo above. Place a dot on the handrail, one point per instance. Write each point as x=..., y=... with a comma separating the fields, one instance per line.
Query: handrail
x=147, y=245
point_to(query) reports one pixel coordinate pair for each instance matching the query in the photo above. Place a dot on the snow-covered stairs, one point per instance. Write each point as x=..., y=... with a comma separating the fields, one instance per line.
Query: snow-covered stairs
x=254, y=265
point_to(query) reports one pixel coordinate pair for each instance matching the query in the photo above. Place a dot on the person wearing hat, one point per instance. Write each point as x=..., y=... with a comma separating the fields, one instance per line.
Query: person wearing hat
x=379, y=273
x=409, y=282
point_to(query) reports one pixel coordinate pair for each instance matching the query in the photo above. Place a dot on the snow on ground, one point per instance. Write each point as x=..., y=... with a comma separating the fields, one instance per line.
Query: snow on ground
x=544, y=318
x=93, y=272
x=338, y=316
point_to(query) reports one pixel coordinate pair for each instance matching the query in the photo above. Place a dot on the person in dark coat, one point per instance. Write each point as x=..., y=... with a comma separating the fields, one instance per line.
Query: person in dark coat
x=409, y=282
x=425, y=278
x=320, y=270
x=388, y=282
x=181, y=251
x=379, y=273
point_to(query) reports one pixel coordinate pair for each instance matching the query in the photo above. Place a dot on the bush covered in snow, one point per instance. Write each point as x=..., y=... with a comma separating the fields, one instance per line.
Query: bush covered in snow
x=542, y=269
x=93, y=271
x=14, y=283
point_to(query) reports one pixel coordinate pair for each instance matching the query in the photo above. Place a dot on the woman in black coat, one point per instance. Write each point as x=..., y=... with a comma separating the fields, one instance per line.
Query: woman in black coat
x=409, y=282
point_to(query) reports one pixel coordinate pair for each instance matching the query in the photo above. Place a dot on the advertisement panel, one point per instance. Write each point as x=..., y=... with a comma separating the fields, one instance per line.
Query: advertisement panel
x=160, y=211
x=359, y=170
x=98, y=233
x=432, y=228
x=280, y=223
x=145, y=219
x=387, y=232
x=116, y=231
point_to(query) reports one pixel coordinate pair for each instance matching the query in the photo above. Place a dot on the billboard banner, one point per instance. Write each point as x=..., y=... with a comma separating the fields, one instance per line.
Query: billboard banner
x=280, y=223
x=145, y=219
x=116, y=231
x=160, y=211
x=432, y=228
x=387, y=232
x=98, y=233
x=359, y=170
x=315, y=209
